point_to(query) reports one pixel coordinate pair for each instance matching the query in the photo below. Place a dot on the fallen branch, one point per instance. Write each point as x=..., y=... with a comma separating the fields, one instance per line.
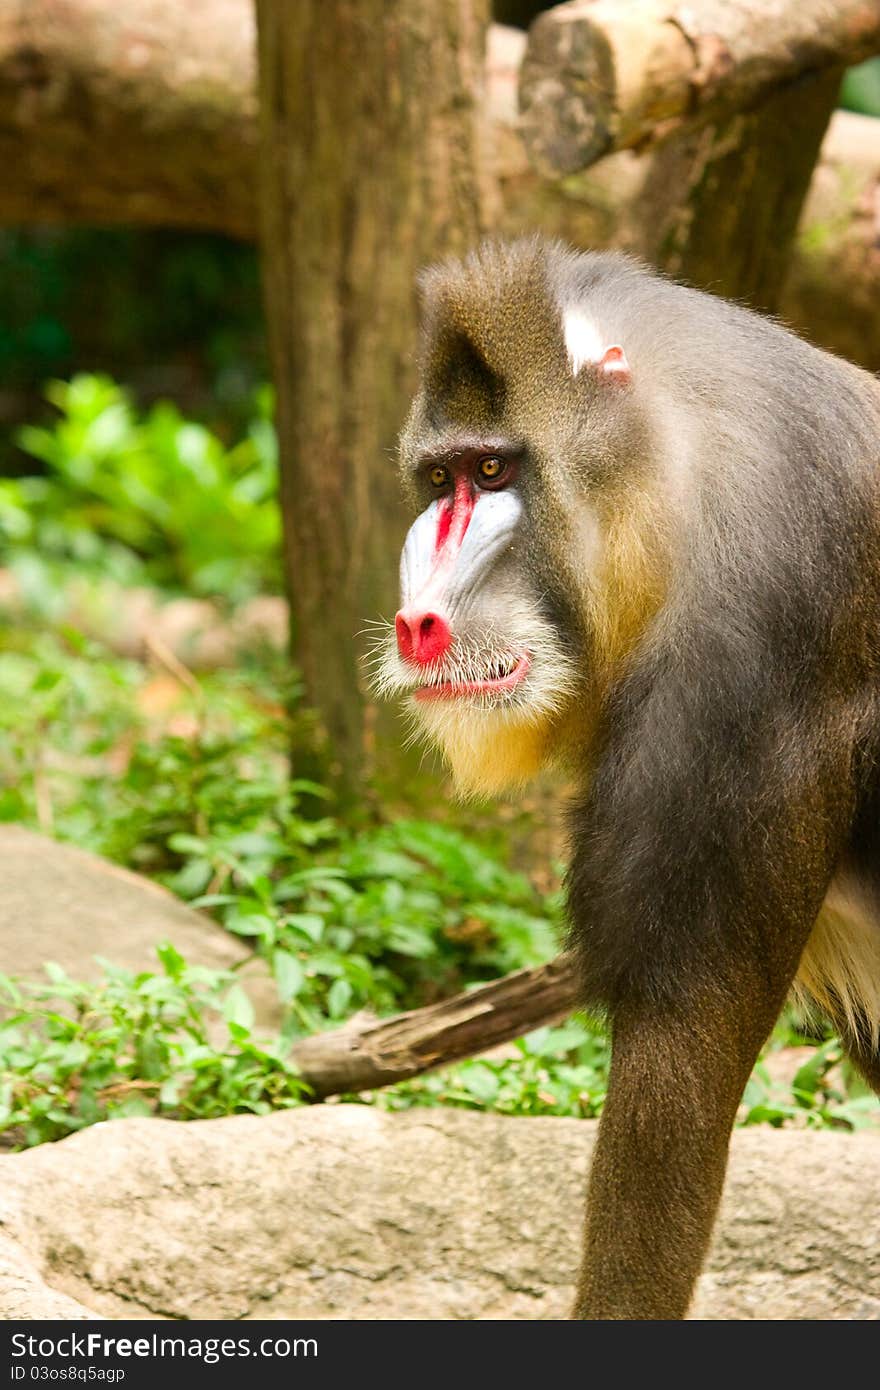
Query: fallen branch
x=606, y=75
x=365, y=1055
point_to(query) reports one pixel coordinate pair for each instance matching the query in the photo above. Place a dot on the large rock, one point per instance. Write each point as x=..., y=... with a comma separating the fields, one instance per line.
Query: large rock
x=341, y=1211
x=63, y=904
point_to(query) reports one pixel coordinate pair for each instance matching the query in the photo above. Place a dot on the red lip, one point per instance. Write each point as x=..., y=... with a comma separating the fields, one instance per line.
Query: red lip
x=450, y=690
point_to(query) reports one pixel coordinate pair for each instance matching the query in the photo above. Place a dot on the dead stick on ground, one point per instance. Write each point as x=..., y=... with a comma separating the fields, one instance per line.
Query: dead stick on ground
x=364, y=1055
x=161, y=652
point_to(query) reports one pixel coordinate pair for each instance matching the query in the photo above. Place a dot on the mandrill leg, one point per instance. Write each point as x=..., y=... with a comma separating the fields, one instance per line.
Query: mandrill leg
x=659, y=1164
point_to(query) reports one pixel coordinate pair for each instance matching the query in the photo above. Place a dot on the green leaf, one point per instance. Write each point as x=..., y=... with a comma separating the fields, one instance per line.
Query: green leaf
x=480, y=1082
x=301, y=784
x=47, y=680
x=192, y=879
x=338, y=998
x=289, y=975
x=171, y=960
x=250, y=844
x=251, y=924
x=187, y=844
x=810, y=1075
x=307, y=922
x=237, y=1008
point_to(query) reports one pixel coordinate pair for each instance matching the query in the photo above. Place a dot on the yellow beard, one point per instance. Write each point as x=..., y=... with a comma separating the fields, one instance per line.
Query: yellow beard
x=492, y=751
x=508, y=757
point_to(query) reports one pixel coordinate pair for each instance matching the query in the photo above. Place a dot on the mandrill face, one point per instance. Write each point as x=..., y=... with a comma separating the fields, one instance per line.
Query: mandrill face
x=537, y=558
x=475, y=650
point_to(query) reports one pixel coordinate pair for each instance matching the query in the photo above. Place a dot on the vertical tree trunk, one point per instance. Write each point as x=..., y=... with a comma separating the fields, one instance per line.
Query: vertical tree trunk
x=373, y=162
x=720, y=206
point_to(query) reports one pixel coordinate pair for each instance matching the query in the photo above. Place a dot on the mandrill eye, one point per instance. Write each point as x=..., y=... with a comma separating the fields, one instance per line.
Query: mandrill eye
x=490, y=470
x=439, y=476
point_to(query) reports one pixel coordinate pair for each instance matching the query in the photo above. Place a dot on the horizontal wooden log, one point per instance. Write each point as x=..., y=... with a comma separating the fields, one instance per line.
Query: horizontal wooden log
x=140, y=112
x=144, y=113
x=376, y=1052
x=606, y=75
x=830, y=293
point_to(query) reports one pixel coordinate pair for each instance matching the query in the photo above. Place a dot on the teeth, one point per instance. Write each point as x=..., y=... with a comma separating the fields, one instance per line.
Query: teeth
x=497, y=669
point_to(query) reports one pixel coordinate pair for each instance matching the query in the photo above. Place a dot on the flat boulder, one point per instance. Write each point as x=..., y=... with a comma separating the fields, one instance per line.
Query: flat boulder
x=63, y=904
x=344, y=1211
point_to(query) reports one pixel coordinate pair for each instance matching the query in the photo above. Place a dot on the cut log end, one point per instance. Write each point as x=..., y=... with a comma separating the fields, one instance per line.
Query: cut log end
x=567, y=122
x=625, y=74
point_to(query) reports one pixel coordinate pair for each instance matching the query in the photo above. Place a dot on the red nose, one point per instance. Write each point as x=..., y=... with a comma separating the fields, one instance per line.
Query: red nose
x=422, y=637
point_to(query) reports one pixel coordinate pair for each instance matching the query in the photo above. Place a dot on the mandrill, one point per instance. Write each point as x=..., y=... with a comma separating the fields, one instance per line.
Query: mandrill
x=647, y=552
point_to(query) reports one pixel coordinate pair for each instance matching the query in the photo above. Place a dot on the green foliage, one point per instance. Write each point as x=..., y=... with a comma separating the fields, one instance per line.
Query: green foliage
x=861, y=88
x=388, y=917
x=62, y=713
x=175, y=1043
x=127, y=299
x=551, y=1071
x=826, y=1093
x=145, y=498
x=378, y=917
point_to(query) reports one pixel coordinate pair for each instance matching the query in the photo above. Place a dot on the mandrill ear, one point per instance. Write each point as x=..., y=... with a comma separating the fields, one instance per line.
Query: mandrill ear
x=585, y=347
x=613, y=364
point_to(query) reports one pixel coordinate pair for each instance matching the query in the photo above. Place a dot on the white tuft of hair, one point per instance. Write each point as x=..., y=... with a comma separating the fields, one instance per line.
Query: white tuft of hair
x=583, y=341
